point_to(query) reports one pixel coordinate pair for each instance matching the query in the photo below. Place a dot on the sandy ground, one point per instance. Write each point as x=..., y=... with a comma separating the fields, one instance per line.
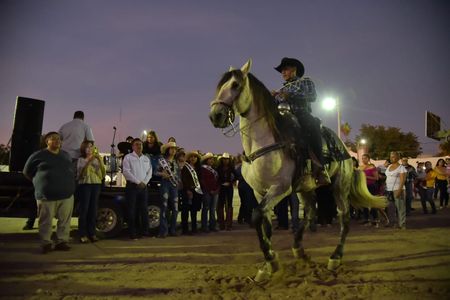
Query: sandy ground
x=378, y=264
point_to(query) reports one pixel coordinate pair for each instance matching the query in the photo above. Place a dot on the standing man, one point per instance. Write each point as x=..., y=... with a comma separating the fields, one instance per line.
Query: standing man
x=411, y=176
x=137, y=170
x=294, y=99
x=73, y=134
x=52, y=173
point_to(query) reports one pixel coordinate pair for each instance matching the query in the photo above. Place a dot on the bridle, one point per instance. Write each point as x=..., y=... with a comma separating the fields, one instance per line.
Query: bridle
x=232, y=129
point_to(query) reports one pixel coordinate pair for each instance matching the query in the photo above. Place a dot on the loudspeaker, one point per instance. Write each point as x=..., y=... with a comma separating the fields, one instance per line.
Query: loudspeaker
x=27, y=131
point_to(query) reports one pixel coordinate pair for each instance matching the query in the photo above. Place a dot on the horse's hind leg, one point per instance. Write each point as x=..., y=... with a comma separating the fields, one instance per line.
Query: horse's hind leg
x=335, y=259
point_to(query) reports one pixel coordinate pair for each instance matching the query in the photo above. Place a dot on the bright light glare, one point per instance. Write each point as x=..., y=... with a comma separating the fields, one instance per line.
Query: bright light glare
x=363, y=141
x=329, y=103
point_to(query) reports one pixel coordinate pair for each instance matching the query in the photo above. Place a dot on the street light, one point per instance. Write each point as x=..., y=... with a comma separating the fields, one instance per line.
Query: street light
x=331, y=104
x=144, y=134
x=361, y=148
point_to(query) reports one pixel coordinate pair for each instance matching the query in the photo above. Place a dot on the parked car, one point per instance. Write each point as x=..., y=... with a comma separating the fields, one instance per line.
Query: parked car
x=17, y=200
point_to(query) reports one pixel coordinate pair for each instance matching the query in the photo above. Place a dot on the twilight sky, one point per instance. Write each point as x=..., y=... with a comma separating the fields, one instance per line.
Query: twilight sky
x=154, y=64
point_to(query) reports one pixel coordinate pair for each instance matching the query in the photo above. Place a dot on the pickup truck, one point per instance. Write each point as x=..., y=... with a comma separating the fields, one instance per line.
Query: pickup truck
x=17, y=200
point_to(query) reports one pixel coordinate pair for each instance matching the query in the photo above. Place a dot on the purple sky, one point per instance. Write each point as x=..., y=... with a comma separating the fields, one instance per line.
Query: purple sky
x=155, y=64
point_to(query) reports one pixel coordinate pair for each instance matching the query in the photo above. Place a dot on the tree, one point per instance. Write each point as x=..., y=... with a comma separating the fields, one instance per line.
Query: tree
x=445, y=148
x=382, y=140
x=345, y=130
x=4, y=154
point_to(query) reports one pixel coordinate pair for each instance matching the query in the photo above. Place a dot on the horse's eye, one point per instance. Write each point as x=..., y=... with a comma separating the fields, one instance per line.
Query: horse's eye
x=235, y=85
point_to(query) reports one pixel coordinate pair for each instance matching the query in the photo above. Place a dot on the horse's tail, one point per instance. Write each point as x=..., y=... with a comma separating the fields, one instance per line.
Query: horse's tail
x=360, y=196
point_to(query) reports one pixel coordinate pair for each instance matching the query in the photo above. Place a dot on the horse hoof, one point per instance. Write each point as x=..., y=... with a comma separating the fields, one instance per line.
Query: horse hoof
x=333, y=264
x=299, y=253
x=262, y=276
x=265, y=273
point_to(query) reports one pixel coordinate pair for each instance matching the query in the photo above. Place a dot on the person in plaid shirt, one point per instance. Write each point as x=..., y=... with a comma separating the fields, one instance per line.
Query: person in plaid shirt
x=294, y=100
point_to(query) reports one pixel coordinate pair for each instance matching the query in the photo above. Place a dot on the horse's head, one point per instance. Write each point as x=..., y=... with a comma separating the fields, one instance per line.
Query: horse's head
x=232, y=95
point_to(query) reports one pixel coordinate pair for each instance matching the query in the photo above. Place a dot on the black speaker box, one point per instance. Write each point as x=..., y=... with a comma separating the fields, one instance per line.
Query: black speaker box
x=27, y=131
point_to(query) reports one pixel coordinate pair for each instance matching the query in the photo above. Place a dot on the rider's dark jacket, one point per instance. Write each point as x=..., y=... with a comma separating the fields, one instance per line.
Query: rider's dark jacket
x=299, y=93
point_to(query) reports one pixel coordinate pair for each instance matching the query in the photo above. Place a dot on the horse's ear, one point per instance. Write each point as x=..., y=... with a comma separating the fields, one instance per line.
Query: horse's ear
x=246, y=67
x=231, y=69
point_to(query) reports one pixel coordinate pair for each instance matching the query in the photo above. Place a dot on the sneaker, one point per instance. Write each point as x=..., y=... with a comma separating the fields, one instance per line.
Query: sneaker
x=62, y=247
x=27, y=227
x=93, y=239
x=46, y=248
x=84, y=240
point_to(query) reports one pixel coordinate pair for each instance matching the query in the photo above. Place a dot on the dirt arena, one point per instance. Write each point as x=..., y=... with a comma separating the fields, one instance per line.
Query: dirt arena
x=378, y=264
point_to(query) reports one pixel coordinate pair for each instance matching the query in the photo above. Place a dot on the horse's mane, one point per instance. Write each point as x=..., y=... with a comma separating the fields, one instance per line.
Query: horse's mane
x=263, y=101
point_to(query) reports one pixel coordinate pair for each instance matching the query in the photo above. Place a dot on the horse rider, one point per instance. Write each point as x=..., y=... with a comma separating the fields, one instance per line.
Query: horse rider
x=294, y=102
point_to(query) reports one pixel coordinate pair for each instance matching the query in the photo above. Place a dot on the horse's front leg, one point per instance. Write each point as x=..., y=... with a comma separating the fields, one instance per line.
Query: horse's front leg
x=308, y=199
x=262, y=220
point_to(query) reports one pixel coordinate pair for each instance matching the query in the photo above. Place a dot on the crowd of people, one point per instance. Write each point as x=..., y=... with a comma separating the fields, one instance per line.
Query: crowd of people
x=191, y=183
x=402, y=183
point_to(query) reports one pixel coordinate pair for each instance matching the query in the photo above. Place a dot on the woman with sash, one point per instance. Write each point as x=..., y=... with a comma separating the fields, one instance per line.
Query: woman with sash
x=168, y=170
x=209, y=181
x=191, y=193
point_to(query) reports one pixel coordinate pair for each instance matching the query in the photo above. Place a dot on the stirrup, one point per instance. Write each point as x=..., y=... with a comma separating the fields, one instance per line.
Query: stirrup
x=322, y=178
x=269, y=267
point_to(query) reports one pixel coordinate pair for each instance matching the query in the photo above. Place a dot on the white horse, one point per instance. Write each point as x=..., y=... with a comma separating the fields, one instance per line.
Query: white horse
x=271, y=170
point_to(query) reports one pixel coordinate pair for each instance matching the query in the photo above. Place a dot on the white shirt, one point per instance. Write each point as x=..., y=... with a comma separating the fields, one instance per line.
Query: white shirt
x=393, y=178
x=137, y=169
x=73, y=134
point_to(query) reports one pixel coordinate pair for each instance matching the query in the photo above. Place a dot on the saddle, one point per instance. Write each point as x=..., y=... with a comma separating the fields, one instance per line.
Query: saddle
x=332, y=150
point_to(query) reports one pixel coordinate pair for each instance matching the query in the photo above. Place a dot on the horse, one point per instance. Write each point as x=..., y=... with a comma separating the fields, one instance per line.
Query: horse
x=270, y=169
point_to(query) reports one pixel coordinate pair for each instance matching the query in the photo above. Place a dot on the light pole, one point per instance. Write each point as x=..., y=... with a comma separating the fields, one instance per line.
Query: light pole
x=330, y=104
x=361, y=148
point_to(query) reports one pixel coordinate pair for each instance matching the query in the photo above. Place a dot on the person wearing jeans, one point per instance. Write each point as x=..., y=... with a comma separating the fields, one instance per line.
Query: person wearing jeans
x=137, y=170
x=395, y=181
x=430, y=177
x=209, y=181
x=170, y=179
x=90, y=172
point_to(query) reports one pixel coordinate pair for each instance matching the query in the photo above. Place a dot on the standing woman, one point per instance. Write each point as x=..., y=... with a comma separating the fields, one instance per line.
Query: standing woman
x=191, y=194
x=395, y=181
x=170, y=180
x=371, y=173
x=227, y=177
x=441, y=182
x=91, y=171
x=152, y=148
x=209, y=181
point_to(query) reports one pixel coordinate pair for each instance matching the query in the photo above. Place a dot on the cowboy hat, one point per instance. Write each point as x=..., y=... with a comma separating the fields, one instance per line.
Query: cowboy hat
x=167, y=146
x=193, y=153
x=207, y=156
x=291, y=62
x=225, y=155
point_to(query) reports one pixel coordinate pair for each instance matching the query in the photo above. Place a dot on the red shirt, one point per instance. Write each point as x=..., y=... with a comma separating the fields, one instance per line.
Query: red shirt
x=208, y=179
